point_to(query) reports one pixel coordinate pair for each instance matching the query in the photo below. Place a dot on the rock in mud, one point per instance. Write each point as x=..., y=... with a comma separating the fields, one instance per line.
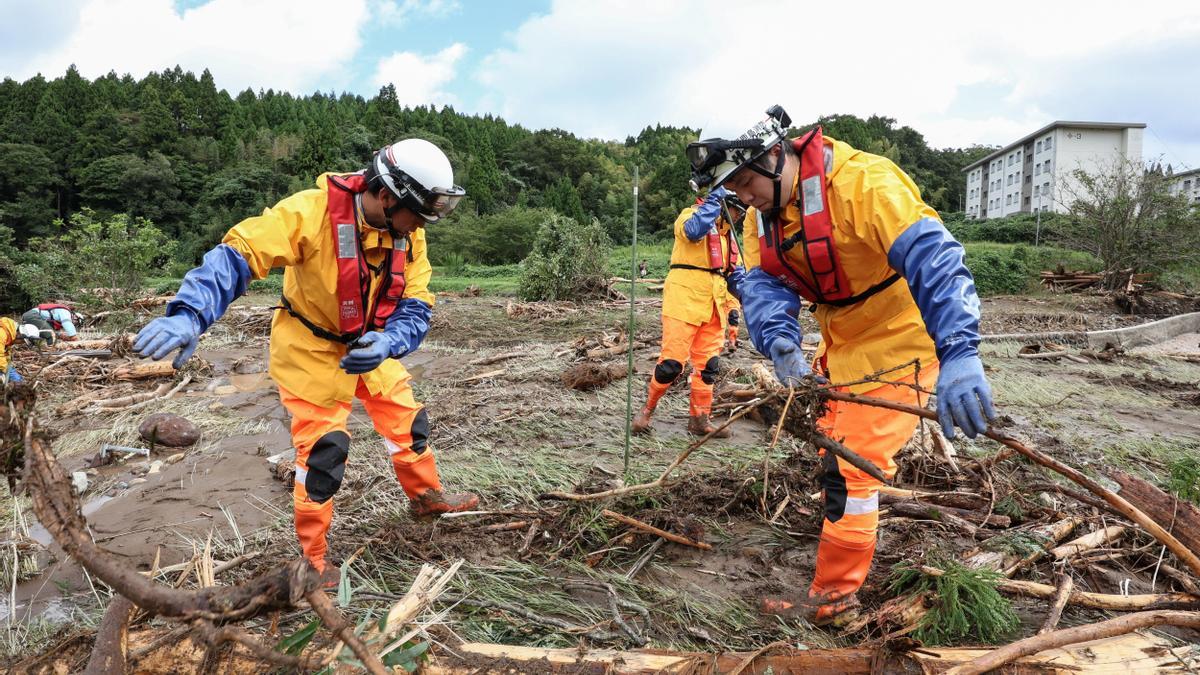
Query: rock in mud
x=170, y=430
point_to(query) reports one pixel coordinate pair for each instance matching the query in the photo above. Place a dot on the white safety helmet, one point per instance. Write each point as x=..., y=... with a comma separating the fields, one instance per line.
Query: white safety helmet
x=419, y=176
x=720, y=153
x=29, y=331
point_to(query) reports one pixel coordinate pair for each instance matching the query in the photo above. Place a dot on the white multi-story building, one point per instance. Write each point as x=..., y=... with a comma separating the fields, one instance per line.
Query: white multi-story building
x=1186, y=184
x=1021, y=176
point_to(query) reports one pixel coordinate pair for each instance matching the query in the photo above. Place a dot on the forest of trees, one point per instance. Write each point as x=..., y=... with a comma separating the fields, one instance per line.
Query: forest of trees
x=177, y=151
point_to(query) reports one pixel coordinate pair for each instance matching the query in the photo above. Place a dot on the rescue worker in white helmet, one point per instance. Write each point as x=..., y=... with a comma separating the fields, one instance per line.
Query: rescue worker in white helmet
x=355, y=299
x=847, y=232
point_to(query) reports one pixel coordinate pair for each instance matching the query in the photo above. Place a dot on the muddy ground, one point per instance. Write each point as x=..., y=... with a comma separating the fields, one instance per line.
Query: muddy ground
x=519, y=433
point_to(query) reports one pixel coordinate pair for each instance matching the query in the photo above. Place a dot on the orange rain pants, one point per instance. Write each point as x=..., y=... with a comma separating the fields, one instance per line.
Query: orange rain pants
x=680, y=341
x=848, y=534
x=322, y=443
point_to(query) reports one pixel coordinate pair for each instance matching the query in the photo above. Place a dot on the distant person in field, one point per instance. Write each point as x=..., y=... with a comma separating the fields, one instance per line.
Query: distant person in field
x=643, y=269
x=55, y=316
x=847, y=231
x=701, y=283
x=355, y=299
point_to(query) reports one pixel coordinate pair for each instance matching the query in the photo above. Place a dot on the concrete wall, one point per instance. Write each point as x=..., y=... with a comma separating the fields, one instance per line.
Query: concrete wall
x=1089, y=150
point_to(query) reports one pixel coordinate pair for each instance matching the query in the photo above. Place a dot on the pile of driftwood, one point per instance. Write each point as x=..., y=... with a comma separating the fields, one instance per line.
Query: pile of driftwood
x=1060, y=280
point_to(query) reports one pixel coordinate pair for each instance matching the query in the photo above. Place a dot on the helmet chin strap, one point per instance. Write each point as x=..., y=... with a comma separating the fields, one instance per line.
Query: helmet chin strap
x=776, y=177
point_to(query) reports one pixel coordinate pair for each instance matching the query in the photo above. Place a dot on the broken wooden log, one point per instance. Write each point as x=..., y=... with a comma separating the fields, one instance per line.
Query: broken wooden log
x=487, y=361
x=111, y=645
x=1180, y=517
x=1088, y=542
x=142, y=371
x=1069, y=636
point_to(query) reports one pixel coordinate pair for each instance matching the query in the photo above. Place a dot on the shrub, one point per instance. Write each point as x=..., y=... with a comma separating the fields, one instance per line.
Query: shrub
x=107, y=259
x=568, y=261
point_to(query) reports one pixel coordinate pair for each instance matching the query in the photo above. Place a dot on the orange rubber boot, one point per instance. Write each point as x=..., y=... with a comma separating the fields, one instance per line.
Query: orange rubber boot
x=418, y=475
x=700, y=409
x=641, y=421
x=312, y=524
x=841, y=570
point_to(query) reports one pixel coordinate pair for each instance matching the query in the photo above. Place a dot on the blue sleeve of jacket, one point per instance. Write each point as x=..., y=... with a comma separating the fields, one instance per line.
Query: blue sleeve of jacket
x=772, y=310
x=64, y=317
x=14, y=376
x=407, y=326
x=932, y=262
x=208, y=290
x=702, y=220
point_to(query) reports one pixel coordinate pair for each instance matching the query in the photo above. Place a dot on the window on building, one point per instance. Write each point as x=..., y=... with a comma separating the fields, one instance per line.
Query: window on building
x=1037, y=169
x=1048, y=139
x=1027, y=202
x=1045, y=188
x=1008, y=200
x=1039, y=146
x=1046, y=166
x=1187, y=185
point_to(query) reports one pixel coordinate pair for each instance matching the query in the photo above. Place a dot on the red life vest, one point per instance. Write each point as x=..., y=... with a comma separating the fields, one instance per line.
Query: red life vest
x=829, y=285
x=716, y=258
x=353, y=273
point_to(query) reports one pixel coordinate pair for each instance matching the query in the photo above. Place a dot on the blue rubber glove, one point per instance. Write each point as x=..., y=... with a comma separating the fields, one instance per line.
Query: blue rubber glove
x=790, y=365
x=168, y=333
x=733, y=281
x=772, y=310
x=366, y=353
x=705, y=215
x=962, y=390
x=933, y=263
x=14, y=376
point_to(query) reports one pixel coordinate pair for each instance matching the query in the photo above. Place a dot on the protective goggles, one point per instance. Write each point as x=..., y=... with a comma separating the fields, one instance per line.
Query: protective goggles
x=431, y=205
x=710, y=156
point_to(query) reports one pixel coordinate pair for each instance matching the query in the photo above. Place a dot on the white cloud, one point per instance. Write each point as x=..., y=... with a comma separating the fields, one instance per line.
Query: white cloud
x=421, y=79
x=397, y=12
x=281, y=44
x=608, y=69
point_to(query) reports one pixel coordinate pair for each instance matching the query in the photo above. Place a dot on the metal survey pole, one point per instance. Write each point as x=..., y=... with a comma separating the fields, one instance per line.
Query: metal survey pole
x=633, y=276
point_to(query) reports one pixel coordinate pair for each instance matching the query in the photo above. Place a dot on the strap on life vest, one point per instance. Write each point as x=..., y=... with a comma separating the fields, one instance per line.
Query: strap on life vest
x=354, y=273
x=830, y=285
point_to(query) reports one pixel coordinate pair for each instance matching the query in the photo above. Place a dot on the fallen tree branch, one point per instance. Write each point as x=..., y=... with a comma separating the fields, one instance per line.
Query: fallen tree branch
x=109, y=651
x=1115, y=603
x=333, y=620
x=857, y=461
x=644, y=527
x=1065, y=584
x=1185, y=555
x=1069, y=636
x=1088, y=542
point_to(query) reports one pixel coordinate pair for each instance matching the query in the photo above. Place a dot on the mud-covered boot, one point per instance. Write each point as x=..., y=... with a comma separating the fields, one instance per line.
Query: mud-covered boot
x=699, y=425
x=432, y=503
x=819, y=611
x=641, y=421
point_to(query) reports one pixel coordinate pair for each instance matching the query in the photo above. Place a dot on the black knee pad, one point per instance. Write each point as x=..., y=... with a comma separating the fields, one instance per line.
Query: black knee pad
x=327, y=466
x=835, y=489
x=735, y=317
x=711, y=370
x=420, y=432
x=667, y=370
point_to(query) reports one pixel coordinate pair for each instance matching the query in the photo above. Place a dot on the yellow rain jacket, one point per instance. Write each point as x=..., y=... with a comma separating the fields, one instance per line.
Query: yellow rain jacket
x=8, y=336
x=296, y=234
x=871, y=202
x=690, y=295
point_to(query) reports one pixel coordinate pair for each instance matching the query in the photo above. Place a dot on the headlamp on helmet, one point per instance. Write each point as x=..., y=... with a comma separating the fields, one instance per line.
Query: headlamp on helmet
x=715, y=159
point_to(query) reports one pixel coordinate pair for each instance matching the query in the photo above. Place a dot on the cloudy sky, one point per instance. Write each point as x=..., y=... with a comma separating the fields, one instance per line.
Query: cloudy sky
x=958, y=74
